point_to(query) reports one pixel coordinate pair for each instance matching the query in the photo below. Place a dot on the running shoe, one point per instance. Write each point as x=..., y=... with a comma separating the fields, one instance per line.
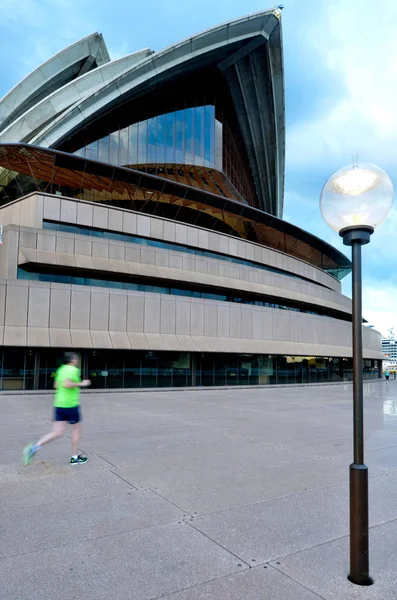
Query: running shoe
x=28, y=454
x=80, y=460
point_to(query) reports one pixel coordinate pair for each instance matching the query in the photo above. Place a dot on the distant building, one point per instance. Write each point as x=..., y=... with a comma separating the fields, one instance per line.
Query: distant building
x=141, y=201
x=389, y=349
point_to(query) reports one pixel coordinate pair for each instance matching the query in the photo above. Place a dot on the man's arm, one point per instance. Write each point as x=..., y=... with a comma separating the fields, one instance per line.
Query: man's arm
x=68, y=383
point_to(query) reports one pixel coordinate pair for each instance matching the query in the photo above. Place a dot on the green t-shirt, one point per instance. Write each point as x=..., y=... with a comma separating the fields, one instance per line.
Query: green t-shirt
x=67, y=397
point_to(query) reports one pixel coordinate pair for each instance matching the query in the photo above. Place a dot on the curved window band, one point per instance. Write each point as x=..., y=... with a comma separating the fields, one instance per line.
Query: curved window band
x=62, y=276
x=136, y=239
x=191, y=136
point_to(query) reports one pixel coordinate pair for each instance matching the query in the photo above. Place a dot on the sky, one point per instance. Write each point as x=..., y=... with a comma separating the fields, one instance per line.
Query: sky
x=340, y=60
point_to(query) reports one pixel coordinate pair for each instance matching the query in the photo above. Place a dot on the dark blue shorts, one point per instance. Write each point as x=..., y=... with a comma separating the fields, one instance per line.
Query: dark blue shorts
x=71, y=415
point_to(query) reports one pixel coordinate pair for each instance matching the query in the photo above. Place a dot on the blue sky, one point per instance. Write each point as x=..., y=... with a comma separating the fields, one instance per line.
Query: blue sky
x=340, y=79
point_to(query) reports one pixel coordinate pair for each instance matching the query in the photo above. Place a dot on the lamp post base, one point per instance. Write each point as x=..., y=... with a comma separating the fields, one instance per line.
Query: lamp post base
x=359, y=560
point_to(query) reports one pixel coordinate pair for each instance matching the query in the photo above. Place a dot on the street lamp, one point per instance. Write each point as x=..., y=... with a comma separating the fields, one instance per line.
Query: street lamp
x=354, y=202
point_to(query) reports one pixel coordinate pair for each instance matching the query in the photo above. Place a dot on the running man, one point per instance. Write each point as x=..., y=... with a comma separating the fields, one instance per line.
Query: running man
x=67, y=410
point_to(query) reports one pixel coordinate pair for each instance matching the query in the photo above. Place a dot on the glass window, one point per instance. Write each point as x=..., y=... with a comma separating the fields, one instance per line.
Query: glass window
x=97, y=369
x=142, y=142
x=149, y=370
x=232, y=369
x=29, y=369
x=189, y=136
x=50, y=361
x=132, y=369
x=170, y=139
x=181, y=370
x=115, y=370
x=199, y=135
x=133, y=144
x=92, y=151
x=123, y=237
x=220, y=369
x=336, y=369
x=164, y=370
x=114, y=144
x=161, y=134
x=152, y=140
x=209, y=136
x=103, y=149
x=179, y=137
x=205, y=370
x=123, y=147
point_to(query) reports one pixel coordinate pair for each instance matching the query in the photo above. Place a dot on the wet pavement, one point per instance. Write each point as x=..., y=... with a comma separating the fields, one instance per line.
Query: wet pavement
x=203, y=494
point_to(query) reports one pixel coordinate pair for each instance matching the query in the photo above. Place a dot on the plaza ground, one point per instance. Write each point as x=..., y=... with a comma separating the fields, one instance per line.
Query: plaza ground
x=218, y=494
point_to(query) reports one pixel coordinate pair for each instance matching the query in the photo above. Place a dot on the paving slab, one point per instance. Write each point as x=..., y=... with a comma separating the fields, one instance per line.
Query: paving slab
x=75, y=521
x=260, y=583
x=138, y=565
x=285, y=525
x=324, y=569
x=51, y=486
x=209, y=492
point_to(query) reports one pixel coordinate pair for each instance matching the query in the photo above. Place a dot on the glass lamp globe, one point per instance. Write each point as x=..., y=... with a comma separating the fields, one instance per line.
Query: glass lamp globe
x=357, y=196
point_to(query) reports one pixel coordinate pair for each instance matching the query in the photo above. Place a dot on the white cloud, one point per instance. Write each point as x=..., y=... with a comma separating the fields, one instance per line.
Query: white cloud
x=357, y=42
x=48, y=26
x=379, y=305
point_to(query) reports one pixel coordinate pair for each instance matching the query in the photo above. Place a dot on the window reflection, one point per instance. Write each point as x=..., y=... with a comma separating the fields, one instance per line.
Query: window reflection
x=183, y=137
x=35, y=368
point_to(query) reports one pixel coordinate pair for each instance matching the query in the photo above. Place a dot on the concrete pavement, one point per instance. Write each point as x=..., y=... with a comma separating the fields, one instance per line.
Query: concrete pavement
x=216, y=494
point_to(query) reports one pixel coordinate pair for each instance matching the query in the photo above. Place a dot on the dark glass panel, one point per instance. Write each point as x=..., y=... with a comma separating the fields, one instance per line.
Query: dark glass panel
x=205, y=370
x=161, y=138
x=336, y=369
x=91, y=152
x=282, y=370
x=97, y=368
x=123, y=147
x=132, y=369
x=149, y=370
x=219, y=369
x=50, y=361
x=182, y=373
x=230, y=363
x=165, y=369
x=170, y=139
x=114, y=144
x=199, y=135
x=115, y=369
x=152, y=141
x=30, y=360
x=209, y=135
x=103, y=149
x=133, y=144
x=179, y=136
x=142, y=142
x=189, y=136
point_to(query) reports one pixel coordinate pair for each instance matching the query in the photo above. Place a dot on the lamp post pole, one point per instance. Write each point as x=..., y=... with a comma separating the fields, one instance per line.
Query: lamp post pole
x=358, y=471
x=354, y=201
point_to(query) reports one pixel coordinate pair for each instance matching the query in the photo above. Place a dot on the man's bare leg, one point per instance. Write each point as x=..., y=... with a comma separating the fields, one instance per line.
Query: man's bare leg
x=76, y=434
x=58, y=431
x=76, y=459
